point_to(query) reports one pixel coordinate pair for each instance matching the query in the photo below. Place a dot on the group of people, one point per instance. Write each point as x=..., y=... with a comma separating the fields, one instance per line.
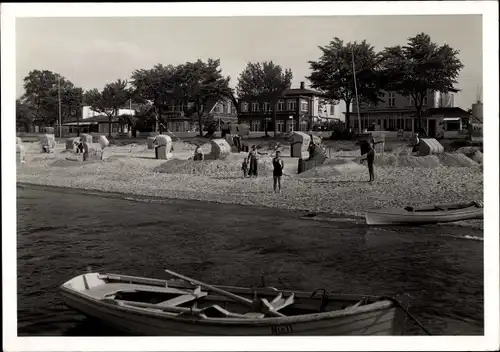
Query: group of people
x=250, y=166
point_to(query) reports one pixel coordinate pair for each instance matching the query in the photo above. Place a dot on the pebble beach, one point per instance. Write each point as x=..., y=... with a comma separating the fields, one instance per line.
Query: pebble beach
x=338, y=187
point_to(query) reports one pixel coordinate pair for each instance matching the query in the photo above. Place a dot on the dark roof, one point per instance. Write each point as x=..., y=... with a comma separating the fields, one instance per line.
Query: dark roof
x=300, y=91
x=98, y=118
x=380, y=111
x=455, y=112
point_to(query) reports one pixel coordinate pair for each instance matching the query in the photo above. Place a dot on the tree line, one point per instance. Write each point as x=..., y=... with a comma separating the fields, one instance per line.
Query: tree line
x=410, y=70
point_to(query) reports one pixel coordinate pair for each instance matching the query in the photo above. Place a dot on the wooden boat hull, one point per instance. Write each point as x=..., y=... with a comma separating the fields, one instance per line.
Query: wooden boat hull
x=378, y=318
x=398, y=216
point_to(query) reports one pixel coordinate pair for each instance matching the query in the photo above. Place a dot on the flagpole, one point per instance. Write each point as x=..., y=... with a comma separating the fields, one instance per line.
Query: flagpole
x=59, y=98
x=356, y=90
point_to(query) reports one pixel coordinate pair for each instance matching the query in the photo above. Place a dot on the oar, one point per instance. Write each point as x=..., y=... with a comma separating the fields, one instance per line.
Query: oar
x=237, y=298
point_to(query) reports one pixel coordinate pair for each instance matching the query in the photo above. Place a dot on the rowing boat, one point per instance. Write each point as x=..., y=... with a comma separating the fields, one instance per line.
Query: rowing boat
x=428, y=214
x=145, y=306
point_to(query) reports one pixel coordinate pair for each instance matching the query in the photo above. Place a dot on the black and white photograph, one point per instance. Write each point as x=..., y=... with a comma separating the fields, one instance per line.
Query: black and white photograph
x=252, y=170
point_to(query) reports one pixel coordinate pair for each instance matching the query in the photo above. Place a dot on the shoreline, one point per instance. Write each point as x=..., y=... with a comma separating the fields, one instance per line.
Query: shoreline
x=318, y=216
x=143, y=198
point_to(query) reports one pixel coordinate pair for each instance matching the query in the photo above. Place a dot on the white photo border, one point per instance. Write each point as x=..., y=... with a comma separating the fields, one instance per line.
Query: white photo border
x=489, y=12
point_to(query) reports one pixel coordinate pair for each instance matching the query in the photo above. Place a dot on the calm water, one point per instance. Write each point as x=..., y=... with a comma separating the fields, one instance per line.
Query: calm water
x=60, y=233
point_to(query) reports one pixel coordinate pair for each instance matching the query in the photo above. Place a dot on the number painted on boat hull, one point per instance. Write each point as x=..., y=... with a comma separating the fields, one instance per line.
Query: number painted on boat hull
x=281, y=329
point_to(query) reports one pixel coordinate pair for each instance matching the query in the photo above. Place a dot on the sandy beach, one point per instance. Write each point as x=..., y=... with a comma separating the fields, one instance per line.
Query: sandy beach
x=338, y=187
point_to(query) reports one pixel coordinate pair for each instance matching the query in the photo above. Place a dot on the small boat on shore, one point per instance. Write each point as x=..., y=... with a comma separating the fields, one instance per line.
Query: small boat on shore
x=427, y=214
x=144, y=306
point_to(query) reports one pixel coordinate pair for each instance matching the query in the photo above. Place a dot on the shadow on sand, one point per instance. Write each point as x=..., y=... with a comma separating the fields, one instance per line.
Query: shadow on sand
x=145, y=157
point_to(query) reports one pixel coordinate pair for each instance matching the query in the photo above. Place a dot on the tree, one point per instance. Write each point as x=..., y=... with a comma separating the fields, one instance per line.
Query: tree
x=144, y=115
x=201, y=83
x=114, y=96
x=419, y=67
x=24, y=115
x=71, y=104
x=42, y=96
x=264, y=82
x=156, y=86
x=333, y=73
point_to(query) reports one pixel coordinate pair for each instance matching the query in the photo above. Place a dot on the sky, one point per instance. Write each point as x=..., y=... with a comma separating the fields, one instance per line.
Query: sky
x=94, y=51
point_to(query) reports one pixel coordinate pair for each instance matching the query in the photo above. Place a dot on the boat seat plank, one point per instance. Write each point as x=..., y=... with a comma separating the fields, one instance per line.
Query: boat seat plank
x=133, y=279
x=183, y=311
x=181, y=299
x=102, y=291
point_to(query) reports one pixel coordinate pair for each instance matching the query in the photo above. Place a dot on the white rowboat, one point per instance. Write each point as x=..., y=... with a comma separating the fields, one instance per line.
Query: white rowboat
x=430, y=214
x=144, y=306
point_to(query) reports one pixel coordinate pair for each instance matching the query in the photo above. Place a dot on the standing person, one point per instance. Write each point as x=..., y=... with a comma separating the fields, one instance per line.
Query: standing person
x=415, y=141
x=252, y=157
x=278, y=166
x=244, y=167
x=370, y=158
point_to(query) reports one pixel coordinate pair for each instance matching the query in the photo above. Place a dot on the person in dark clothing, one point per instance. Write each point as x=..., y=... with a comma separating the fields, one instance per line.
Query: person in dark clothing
x=244, y=167
x=252, y=157
x=278, y=166
x=237, y=142
x=370, y=158
x=79, y=148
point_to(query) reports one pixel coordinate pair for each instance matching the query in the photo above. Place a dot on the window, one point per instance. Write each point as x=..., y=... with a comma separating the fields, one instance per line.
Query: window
x=304, y=105
x=425, y=101
x=280, y=126
x=452, y=125
x=227, y=108
x=392, y=99
x=407, y=125
x=411, y=101
x=281, y=105
x=255, y=106
x=233, y=110
x=391, y=123
x=218, y=108
x=291, y=105
x=303, y=125
x=255, y=125
x=332, y=109
x=244, y=107
x=266, y=106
